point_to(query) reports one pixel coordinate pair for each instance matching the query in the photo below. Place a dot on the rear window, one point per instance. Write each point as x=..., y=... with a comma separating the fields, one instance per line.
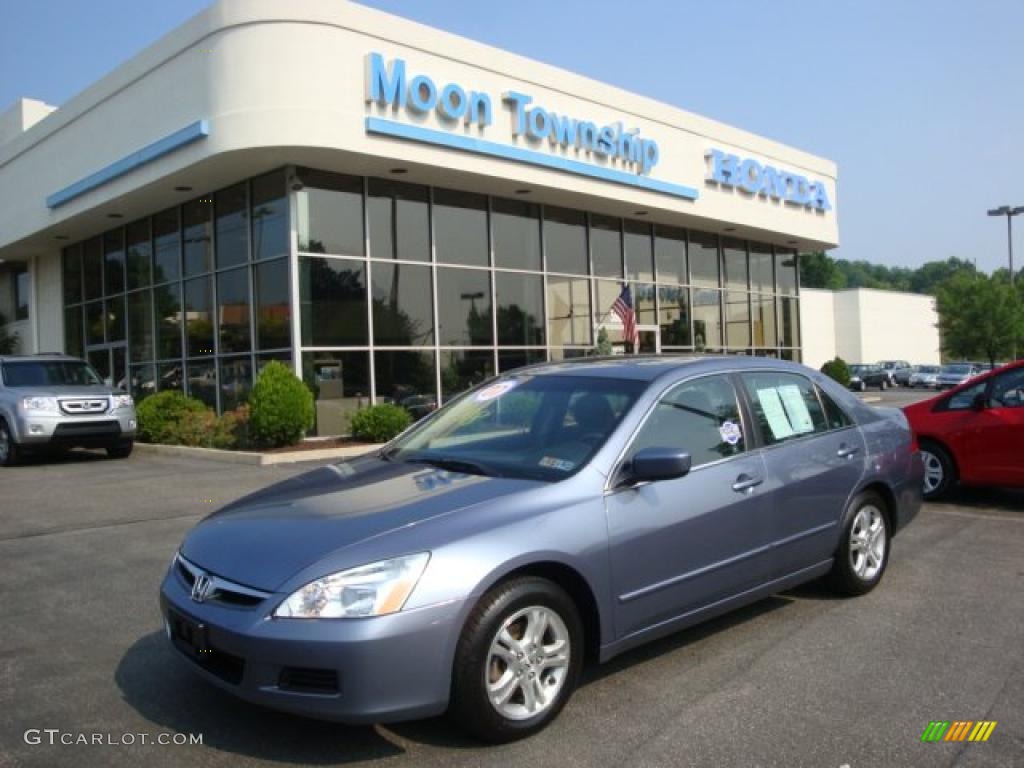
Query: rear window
x=49, y=373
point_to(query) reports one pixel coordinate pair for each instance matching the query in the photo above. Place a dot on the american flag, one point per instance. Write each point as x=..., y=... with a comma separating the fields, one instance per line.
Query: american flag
x=623, y=307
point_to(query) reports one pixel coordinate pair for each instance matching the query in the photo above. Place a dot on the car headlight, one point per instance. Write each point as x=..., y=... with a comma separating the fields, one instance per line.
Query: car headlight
x=369, y=590
x=39, y=404
x=122, y=401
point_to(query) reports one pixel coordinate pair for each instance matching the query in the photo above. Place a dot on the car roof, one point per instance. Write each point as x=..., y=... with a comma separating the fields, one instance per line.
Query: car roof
x=650, y=367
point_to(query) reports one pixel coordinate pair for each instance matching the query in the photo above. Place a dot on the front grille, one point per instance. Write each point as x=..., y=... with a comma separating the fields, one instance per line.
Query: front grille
x=87, y=429
x=222, y=591
x=307, y=680
x=84, y=406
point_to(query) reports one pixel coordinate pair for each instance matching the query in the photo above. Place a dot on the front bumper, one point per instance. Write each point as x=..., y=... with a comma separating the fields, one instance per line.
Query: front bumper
x=386, y=668
x=42, y=429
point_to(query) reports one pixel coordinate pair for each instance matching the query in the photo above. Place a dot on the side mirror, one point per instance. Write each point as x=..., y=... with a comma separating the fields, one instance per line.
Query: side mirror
x=656, y=463
x=980, y=402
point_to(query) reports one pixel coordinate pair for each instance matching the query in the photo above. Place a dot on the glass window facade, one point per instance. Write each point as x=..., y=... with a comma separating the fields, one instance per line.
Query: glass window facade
x=402, y=293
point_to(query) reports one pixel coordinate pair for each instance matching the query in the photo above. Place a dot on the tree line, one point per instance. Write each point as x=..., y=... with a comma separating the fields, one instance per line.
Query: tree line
x=981, y=317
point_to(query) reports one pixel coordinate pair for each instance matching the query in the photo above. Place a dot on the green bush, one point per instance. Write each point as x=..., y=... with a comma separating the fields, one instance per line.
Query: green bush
x=837, y=369
x=160, y=415
x=281, y=407
x=379, y=423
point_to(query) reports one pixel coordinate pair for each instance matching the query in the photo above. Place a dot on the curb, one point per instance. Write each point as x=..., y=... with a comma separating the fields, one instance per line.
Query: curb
x=255, y=459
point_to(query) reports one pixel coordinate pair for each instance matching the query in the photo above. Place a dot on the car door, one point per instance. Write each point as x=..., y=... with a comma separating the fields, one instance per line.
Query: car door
x=677, y=545
x=995, y=437
x=814, y=457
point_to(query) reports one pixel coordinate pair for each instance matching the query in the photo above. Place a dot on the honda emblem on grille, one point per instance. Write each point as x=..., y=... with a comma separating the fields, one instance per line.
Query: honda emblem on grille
x=201, y=587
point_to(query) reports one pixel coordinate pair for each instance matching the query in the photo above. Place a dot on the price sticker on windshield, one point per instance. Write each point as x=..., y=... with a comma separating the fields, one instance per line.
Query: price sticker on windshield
x=495, y=390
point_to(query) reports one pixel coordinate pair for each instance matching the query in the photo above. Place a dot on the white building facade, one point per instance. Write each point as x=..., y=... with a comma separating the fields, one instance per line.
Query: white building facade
x=395, y=211
x=863, y=325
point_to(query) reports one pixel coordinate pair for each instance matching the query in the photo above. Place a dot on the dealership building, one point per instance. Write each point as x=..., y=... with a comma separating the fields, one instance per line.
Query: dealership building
x=395, y=211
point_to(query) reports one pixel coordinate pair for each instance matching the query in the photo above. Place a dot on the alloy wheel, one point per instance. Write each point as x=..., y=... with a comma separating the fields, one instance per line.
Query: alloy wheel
x=527, y=663
x=867, y=542
x=934, y=473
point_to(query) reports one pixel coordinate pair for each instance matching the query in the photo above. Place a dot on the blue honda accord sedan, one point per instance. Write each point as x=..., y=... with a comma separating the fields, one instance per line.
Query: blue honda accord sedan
x=559, y=513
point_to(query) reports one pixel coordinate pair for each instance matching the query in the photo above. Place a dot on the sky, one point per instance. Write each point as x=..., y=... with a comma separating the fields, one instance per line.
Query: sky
x=919, y=102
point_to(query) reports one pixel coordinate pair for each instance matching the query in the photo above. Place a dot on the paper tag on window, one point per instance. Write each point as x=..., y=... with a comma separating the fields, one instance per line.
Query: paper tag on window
x=560, y=464
x=495, y=390
x=730, y=432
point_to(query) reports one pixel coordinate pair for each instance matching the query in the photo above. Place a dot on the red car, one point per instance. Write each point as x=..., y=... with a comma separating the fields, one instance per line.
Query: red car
x=973, y=434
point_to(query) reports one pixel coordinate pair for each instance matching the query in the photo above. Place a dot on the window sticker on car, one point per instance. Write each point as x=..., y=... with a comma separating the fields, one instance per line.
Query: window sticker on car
x=774, y=413
x=495, y=390
x=560, y=464
x=796, y=409
x=730, y=432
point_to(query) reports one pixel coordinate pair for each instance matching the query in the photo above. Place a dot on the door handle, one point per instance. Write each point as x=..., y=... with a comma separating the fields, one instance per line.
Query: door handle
x=746, y=483
x=846, y=451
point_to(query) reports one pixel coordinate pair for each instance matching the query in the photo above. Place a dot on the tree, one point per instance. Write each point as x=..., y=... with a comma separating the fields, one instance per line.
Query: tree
x=929, y=277
x=819, y=270
x=979, y=317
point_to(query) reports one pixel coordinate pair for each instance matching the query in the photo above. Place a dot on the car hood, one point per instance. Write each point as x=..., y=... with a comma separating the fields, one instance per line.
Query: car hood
x=94, y=390
x=263, y=539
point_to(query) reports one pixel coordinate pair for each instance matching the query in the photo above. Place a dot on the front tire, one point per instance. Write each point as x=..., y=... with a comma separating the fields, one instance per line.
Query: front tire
x=864, y=548
x=518, y=660
x=10, y=454
x=939, y=470
x=122, y=449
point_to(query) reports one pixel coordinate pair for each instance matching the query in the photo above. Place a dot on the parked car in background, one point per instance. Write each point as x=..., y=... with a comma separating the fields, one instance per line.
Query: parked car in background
x=925, y=376
x=863, y=376
x=955, y=374
x=975, y=434
x=559, y=512
x=899, y=371
x=59, y=402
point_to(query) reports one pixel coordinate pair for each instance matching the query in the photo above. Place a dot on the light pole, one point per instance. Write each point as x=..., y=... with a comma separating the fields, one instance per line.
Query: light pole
x=1009, y=213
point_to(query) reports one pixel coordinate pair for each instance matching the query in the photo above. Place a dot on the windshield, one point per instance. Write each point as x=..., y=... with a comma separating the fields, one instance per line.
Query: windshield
x=537, y=427
x=957, y=369
x=49, y=373
x=859, y=368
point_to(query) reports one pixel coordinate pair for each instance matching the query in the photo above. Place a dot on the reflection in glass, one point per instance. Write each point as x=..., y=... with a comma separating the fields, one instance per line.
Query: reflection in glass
x=764, y=321
x=233, y=310
x=707, y=319
x=232, y=208
x=273, y=305
x=138, y=253
x=520, y=300
x=403, y=312
x=516, y=231
x=170, y=376
x=235, y=381
x=166, y=246
x=761, y=277
x=569, y=319
x=167, y=302
x=73, y=274
x=113, y=261
x=202, y=381
x=606, y=246
x=789, y=322
x=509, y=359
x=329, y=212
x=197, y=224
x=464, y=307
x=674, y=316
x=73, y=343
x=670, y=254
x=340, y=382
x=462, y=369
x=565, y=240
x=703, y=253
x=406, y=379
x=734, y=261
x=142, y=381
x=785, y=270
x=332, y=294
x=95, y=325
x=198, y=317
x=269, y=216
x=737, y=319
x=92, y=267
x=460, y=227
x=140, y=326
x=399, y=217
x=639, y=251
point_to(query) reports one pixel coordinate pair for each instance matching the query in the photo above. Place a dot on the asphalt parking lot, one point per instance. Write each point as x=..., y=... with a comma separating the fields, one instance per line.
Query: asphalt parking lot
x=801, y=679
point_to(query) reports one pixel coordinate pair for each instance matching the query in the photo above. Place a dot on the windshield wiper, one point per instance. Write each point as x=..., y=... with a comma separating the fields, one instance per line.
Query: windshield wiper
x=454, y=465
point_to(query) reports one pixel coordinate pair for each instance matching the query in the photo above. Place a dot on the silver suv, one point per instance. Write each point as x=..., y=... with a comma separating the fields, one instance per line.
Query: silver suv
x=57, y=401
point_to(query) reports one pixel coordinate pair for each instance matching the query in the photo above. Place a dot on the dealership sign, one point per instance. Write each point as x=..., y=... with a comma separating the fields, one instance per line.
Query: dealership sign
x=762, y=180
x=548, y=138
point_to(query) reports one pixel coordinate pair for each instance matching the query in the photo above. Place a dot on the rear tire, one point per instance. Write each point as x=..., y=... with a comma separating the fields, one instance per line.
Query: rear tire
x=122, y=449
x=939, y=470
x=10, y=453
x=863, y=551
x=518, y=660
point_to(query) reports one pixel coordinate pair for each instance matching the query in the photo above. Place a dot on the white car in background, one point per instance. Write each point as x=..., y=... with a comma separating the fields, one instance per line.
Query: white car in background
x=926, y=376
